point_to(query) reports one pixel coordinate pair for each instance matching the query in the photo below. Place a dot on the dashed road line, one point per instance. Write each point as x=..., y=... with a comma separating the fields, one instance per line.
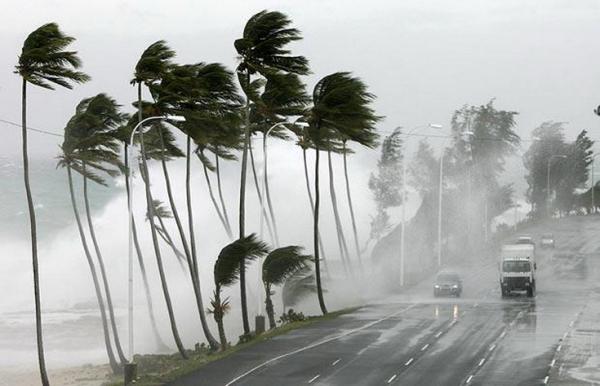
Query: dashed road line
x=336, y=362
x=492, y=347
x=314, y=378
x=481, y=362
x=438, y=334
x=546, y=380
x=425, y=347
x=470, y=378
x=553, y=363
x=392, y=378
x=409, y=362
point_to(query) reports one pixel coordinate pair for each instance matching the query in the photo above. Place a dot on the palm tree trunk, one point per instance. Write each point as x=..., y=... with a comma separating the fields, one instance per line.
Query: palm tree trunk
x=312, y=208
x=269, y=307
x=34, y=252
x=215, y=204
x=223, y=207
x=111, y=311
x=338, y=223
x=356, y=243
x=111, y=356
x=242, y=214
x=218, y=314
x=159, y=342
x=150, y=205
x=164, y=234
x=207, y=334
x=268, y=195
x=316, y=230
x=263, y=213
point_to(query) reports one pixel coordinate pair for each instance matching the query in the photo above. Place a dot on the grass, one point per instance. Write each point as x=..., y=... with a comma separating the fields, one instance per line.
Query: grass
x=154, y=370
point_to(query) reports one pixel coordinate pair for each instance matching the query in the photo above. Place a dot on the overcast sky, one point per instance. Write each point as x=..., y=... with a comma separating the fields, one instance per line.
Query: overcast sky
x=422, y=59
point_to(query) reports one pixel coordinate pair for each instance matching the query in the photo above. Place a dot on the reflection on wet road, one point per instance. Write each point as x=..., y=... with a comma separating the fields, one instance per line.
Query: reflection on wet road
x=478, y=339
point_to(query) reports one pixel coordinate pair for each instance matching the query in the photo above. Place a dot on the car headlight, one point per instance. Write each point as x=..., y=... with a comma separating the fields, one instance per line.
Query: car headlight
x=436, y=286
x=454, y=286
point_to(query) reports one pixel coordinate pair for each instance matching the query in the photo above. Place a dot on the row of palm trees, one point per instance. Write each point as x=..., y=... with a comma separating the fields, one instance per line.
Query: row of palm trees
x=220, y=121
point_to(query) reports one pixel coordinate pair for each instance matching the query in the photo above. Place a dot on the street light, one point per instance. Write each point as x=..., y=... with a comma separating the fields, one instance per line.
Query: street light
x=593, y=200
x=173, y=118
x=262, y=207
x=548, y=181
x=404, y=198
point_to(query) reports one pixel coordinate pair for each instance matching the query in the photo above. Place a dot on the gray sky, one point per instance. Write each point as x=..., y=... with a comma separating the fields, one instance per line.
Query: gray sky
x=422, y=59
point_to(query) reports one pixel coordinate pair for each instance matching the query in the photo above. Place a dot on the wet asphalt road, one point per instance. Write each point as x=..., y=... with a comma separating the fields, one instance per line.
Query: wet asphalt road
x=416, y=339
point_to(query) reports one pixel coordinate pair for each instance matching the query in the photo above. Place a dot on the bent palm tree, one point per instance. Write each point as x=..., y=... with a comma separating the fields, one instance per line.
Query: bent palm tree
x=280, y=265
x=341, y=104
x=227, y=273
x=262, y=50
x=43, y=62
x=151, y=67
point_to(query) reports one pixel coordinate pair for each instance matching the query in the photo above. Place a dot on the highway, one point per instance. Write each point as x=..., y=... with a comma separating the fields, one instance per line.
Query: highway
x=415, y=339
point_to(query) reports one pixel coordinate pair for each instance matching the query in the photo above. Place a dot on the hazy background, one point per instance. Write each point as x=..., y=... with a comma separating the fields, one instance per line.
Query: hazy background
x=422, y=59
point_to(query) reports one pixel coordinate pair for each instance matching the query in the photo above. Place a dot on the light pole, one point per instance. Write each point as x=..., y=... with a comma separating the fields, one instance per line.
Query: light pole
x=593, y=186
x=404, y=196
x=548, y=180
x=130, y=215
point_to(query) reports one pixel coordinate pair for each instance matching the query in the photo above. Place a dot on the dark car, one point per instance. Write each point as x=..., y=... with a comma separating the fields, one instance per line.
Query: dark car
x=447, y=284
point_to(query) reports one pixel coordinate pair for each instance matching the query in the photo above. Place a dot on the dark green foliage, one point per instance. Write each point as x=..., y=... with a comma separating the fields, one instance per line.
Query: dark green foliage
x=386, y=184
x=44, y=61
x=283, y=263
x=291, y=316
x=227, y=266
x=153, y=63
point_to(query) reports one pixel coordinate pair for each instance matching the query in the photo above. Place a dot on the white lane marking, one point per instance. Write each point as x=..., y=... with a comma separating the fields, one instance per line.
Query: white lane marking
x=503, y=333
x=438, y=334
x=313, y=345
x=572, y=323
x=469, y=379
x=546, y=380
x=552, y=363
x=392, y=378
x=558, y=348
x=314, y=378
x=565, y=335
x=481, y=362
x=336, y=362
x=492, y=347
x=408, y=362
x=425, y=347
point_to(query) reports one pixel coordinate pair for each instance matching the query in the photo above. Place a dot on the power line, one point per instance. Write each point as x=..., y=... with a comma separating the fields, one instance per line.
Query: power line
x=31, y=128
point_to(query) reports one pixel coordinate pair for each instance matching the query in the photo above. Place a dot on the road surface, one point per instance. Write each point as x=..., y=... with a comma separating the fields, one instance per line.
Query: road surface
x=479, y=339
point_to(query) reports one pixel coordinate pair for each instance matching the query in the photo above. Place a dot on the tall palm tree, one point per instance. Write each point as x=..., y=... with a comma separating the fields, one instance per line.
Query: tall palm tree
x=262, y=50
x=206, y=94
x=151, y=67
x=100, y=118
x=161, y=213
x=227, y=273
x=124, y=134
x=75, y=151
x=206, y=166
x=340, y=104
x=280, y=265
x=43, y=62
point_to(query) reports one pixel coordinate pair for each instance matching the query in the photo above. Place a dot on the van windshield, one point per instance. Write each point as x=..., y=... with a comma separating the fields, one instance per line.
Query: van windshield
x=516, y=266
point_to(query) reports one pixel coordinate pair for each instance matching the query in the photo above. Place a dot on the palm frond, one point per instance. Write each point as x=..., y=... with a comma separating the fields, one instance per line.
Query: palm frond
x=283, y=263
x=227, y=266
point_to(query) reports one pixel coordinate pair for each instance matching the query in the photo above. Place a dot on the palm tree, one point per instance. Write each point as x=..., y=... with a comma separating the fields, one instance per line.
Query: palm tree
x=103, y=116
x=206, y=94
x=151, y=67
x=124, y=134
x=262, y=50
x=206, y=166
x=75, y=150
x=227, y=272
x=161, y=213
x=43, y=62
x=280, y=265
x=341, y=104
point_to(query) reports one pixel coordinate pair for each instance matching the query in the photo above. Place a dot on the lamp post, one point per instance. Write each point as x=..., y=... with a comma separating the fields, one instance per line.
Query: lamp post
x=593, y=186
x=130, y=215
x=404, y=198
x=548, y=180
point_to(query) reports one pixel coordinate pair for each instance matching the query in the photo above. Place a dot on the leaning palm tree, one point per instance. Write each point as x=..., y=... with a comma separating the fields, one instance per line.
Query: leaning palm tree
x=75, y=150
x=227, y=273
x=341, y=104
x=262, y=50
x=99, y=118
x=149, y=70
x=207, y=96
x=280, y=265
x=43, y=62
